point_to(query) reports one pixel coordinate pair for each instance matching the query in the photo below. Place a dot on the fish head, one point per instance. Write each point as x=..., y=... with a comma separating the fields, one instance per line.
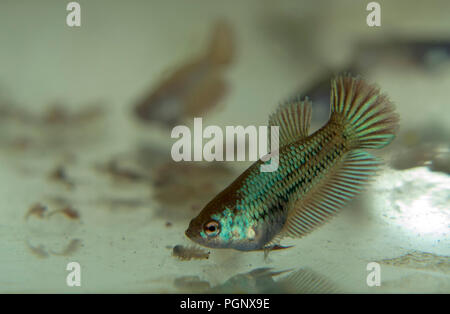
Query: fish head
x=206, y=230
x=225, y=228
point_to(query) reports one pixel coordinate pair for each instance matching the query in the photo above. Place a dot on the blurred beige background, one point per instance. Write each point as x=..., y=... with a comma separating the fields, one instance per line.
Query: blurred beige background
x=121, y=50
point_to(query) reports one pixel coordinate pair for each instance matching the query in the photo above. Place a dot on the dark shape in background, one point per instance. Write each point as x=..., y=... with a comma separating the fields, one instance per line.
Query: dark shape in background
x=193, y=89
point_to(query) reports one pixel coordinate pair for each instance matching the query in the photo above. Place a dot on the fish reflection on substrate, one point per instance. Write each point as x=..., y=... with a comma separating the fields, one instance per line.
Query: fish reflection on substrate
x=316, y=176
x=191, y=284
x=261, y=280
x=193, y=89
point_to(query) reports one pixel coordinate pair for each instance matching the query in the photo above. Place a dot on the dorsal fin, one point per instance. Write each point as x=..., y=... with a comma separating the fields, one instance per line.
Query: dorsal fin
x=293, y=118
x=326, y=198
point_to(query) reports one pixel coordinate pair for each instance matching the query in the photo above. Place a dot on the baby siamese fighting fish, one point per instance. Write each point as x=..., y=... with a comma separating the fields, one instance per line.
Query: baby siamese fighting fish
x=316, y=176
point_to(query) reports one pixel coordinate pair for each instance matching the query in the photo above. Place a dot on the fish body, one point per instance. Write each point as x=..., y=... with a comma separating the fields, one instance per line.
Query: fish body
x=317, y=173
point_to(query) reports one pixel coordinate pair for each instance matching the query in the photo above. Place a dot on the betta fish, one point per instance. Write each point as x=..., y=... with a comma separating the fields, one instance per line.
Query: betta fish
x=317, y=174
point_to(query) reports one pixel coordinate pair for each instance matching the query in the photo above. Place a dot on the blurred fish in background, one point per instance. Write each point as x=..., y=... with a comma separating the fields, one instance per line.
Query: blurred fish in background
x=57, y=128
x=426, y=146
x=193, y=89
x=426, y=55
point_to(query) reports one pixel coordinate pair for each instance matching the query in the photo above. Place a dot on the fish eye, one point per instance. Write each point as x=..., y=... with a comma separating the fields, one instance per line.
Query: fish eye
x=212, y=228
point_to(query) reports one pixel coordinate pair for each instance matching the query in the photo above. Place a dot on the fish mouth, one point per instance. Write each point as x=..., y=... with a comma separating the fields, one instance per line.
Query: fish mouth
x=190, y=234
x=193, y=236
x=191, y=231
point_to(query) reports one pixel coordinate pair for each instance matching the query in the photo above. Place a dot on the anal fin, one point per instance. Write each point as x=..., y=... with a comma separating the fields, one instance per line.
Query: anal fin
x=325, y=199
